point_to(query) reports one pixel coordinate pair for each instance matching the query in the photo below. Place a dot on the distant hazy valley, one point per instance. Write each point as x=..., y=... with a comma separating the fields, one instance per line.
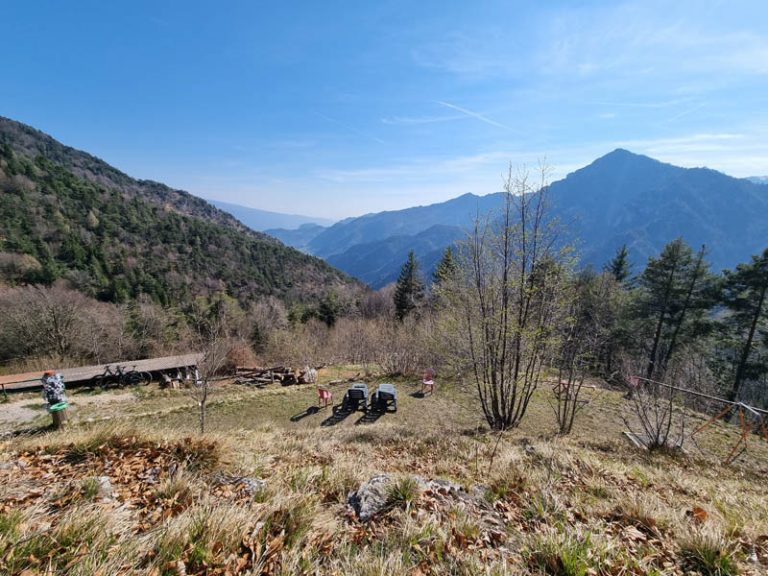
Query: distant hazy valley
x=261, y=220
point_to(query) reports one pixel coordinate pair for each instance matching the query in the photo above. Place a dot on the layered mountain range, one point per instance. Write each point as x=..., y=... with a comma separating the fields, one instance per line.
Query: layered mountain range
x=621, y=198
x=67, y=214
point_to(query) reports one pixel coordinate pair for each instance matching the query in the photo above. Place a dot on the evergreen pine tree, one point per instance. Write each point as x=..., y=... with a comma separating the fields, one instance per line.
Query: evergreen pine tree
x=409, y=292
x=675, y=295
x=445, y=268
x=745, y=292
x=329, y=309
x=619, y=265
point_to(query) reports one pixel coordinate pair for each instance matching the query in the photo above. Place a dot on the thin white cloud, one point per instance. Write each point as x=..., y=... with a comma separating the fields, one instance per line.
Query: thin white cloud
x=296, y=144
x=651, y=104
x=472, y=114
x=423, y=169
x=688, y=111
x=647, y=39
x=472, y=54
x=632, y=40
x=736, y=154
x=416, y=120
x=339, y=192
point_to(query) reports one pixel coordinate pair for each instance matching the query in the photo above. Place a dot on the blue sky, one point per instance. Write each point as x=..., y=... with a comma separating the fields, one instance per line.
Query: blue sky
x=339, y=108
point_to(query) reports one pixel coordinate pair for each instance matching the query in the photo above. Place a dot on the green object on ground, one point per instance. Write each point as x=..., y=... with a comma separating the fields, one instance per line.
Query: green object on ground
x=57, y=407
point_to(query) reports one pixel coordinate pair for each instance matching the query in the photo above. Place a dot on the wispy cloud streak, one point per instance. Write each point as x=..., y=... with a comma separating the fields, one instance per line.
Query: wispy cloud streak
x=472, y=114
x=416, y=120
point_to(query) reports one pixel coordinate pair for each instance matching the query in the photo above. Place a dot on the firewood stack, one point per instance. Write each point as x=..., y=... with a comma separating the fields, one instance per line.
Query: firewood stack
x=278, y=374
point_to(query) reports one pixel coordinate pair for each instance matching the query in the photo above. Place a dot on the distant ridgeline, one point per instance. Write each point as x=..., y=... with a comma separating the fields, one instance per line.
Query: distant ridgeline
x=621, y=198
x=66, y=214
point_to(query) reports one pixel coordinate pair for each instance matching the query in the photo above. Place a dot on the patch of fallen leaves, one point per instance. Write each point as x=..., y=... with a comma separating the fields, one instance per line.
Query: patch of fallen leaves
x=135, y=469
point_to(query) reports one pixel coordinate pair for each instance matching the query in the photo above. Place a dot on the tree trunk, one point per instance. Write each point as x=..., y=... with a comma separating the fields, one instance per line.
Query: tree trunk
x=654, y=349
x=686, y=304
x=652, y=360
x=732, y=395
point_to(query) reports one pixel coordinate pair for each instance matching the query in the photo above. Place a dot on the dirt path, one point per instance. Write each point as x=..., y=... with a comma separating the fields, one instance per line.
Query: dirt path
x=16, y=413
x=103, y=399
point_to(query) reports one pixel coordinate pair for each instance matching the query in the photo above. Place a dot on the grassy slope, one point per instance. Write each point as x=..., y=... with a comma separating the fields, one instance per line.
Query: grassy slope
x=586, y=504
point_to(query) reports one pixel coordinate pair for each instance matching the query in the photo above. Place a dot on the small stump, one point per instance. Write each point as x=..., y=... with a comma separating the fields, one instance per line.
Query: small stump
x=59, y=415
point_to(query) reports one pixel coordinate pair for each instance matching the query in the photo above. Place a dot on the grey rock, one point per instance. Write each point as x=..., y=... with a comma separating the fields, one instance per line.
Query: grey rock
x=479, y=491
x=442, y=487
x=371, y=497
x=248, y=484
x=448, y=489
x=472, y=502
x=104, y=491
x=252, y=485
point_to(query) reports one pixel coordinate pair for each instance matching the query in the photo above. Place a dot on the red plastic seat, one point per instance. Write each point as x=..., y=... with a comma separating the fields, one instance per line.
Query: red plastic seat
x=428, y=382
x=324, y=396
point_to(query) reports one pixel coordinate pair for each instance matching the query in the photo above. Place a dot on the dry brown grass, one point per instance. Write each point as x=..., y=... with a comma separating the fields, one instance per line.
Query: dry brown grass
x=585, y=504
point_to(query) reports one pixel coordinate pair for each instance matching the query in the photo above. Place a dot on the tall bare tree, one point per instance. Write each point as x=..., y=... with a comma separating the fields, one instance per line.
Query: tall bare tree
x=500, y=305
x=214, y=345
x=585, y=327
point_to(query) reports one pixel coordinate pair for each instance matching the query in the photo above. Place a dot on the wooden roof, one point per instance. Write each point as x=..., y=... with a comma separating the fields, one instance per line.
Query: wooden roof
x=31, y=380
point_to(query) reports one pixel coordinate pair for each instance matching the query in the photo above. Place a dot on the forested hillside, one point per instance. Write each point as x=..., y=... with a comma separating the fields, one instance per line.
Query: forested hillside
x=378, y=263
x=382, y=225
x=625, y=198
x=66, y=214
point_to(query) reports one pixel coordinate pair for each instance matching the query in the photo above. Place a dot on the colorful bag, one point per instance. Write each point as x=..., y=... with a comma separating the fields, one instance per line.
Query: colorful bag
x=53, y=389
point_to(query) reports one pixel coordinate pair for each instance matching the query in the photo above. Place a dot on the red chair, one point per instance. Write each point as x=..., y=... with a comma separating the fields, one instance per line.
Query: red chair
x=428, y=382
x=324, y=396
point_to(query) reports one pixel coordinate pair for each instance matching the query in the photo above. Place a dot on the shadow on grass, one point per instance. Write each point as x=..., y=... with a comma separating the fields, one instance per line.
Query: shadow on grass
x=308, y=412
x=29, y=432
x=371, y=416
x=339, y=414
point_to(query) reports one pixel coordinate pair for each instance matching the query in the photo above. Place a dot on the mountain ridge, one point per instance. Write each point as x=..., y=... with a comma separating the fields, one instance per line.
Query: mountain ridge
x=627, y=198
x=381, y=259
x=409, y=221
x=619, y=198
x=67, y=214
